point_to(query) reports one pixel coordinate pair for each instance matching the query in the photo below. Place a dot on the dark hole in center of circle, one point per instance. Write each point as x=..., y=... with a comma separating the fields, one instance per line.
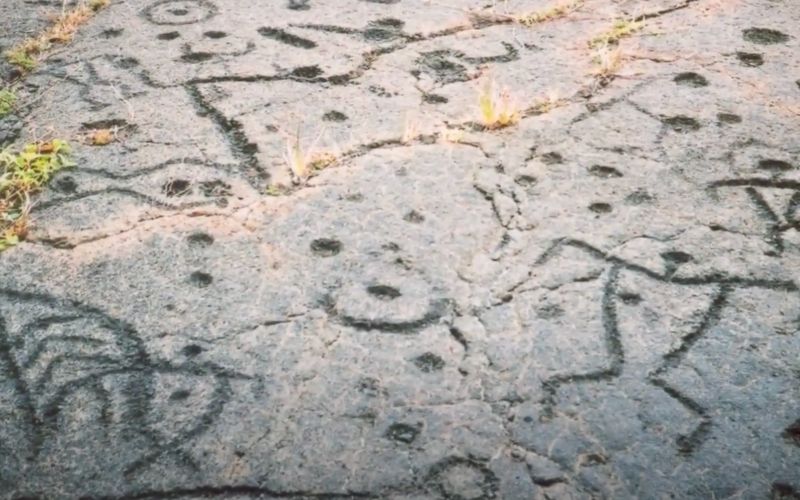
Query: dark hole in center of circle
x=201, y=279
x=176, y=187
x=178, y=12
x=326, y=247
x=676, y=257
x=383, y=292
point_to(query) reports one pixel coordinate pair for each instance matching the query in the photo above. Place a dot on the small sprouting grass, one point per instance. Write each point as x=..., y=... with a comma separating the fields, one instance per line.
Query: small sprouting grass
x=22, y=175
x=622, y=28
x=607, y=62
x=304, y=162
x=496, y=107
x=546, y=104
x=25, y=54
x=555, y=12
x=450, y=135
x=8, y=99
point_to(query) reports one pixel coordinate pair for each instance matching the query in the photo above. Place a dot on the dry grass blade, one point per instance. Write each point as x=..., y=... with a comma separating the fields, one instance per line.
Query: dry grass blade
x=25, y=54
x=496, y=107
x=555, y=12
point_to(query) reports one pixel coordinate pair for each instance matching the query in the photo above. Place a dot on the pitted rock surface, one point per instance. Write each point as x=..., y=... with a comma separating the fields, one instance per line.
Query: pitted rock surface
x=601, y=301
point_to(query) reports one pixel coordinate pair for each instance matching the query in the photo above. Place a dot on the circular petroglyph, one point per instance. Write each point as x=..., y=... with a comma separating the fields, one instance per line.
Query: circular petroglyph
x=175, y=12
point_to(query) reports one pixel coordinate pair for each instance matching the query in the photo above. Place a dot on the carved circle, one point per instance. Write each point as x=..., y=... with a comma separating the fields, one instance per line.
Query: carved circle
x=176, y=12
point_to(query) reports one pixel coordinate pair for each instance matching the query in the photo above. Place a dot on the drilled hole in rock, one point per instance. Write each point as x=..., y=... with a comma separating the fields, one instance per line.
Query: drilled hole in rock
x=383, y=30
x=326, y=247
x=215, y=188
x=370, y=386
x=180, y=395
x=383, y=292
x=380, y=34
x=200, y=239
x=750, y=59
x=112, y=33
x=604, y=171
x=639, y=197
x=414, y=217
x=552, y=158
x=125, y=62
x=774, y=165
x=549, y=311
x=783, y=491
x=334, y=116
x=390, y=22
x=307, y=72
x=282, y=36
x=429, y=362
x=525, y=180
x=106, y=124
x=196, y=57
x=403, y=433
x=764, y=36
x=170, y=35
x=690, y=79
x=66, y=185
x=595, y=459
x=192, y=350
x=391, y=247
x=728, y=118
x=176, y=187
x=438, y=65
x=792, y=433
x=215, y=35
x=178, y=12
x=434, y=99
x=355, y=197
x=298, y=5
x=200, y=279
x=681, y=123
x=676, y=257
x=630, y=298
x=600, y=208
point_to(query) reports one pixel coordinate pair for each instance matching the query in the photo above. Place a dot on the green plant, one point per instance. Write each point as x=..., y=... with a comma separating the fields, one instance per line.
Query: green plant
x=7, y=101
x=497, y=109
x=622, y=28
x=22, y=175
x=21, y=59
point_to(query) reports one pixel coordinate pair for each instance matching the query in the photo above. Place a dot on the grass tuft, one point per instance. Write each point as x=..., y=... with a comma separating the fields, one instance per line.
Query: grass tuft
x=8, y=99
x=22, y=175
x=622, y=28
x=607, y=62
x=25, y=54
x=555, y=12
x=303, y=163
x=496, y=107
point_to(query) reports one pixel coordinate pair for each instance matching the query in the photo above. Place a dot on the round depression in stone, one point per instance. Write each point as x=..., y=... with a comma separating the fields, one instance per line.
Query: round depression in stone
x=176, y=12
